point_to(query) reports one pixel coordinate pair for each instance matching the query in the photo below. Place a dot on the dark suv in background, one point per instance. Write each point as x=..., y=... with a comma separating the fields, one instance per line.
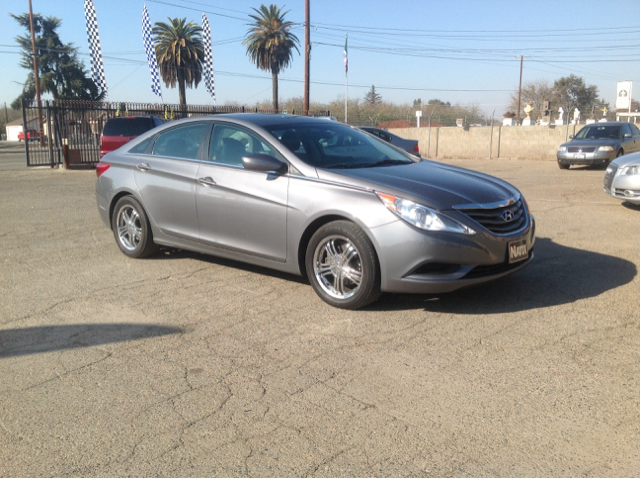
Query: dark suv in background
x=121, y=130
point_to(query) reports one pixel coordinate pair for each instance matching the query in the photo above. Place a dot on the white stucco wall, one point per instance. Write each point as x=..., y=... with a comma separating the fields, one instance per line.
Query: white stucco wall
x=13, y=131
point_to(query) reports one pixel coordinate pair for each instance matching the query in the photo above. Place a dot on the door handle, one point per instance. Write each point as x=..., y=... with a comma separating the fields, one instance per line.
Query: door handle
x=207, y=181
x=143, y=167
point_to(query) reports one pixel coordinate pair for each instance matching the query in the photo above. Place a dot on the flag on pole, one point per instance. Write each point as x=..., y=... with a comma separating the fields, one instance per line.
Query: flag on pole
x=97, y=68
x=149, y=46
x=208, y=58
x=346, y=57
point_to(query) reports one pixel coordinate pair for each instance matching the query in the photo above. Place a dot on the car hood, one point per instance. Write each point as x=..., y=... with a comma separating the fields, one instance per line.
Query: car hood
x=627, y=160
x=432, y=184
x=598, y=142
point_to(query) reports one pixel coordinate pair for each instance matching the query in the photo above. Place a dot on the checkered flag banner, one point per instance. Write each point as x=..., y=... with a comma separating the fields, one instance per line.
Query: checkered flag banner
x=208, y=58
x=97, y=69
x=149, y=46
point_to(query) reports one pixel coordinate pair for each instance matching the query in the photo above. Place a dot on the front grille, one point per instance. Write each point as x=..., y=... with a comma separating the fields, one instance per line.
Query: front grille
x=493, y=269
x=634, y=193
x=504, y=220
x=436, y=269
x=583, y=149
x=608, y=176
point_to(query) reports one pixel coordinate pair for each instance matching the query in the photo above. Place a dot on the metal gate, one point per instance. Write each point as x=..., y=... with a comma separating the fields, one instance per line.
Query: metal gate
x=69, y=131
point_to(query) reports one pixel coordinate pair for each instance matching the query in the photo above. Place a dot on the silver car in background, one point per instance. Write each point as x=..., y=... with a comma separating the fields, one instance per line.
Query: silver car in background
x=317, y=198
x=407, y=145
x=622, y=179
x=599, y=144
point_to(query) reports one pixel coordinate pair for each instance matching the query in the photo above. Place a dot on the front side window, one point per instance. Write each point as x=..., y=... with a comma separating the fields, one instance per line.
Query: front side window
x=626, y=130
x=180, y=142
x=229, y=144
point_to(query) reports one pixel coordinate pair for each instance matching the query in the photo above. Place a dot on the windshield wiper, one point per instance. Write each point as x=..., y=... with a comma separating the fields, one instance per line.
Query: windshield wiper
x=387, y=162
x=341, y=165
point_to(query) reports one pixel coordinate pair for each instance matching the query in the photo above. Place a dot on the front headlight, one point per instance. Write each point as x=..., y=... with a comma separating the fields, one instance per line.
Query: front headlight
x=630, y=170
x=562, y=149
x=421, y=216
x=605, y=148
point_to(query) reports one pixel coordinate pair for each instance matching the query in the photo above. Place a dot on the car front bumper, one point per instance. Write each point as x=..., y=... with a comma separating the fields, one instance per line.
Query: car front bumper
x=414, y=261
x=594, y=158
x=624, y=187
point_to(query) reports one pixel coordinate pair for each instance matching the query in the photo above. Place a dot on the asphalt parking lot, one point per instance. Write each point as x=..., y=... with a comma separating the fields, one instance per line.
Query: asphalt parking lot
x=187, y=365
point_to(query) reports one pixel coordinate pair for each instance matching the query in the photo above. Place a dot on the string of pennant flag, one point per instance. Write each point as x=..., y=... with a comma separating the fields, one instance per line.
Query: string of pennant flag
x=97, y=67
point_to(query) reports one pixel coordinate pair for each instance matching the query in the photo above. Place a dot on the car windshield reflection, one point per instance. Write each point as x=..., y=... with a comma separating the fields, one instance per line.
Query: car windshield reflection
x=599, y=132
x=337, y=146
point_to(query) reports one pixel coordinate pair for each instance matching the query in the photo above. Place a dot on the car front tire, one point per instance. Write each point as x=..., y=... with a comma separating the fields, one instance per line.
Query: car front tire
x=131, y=229
x=342, y=266
x=563, y=165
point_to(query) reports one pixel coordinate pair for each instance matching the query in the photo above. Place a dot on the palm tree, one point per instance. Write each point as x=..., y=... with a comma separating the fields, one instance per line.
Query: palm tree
x=270, y=44
x=180, y=53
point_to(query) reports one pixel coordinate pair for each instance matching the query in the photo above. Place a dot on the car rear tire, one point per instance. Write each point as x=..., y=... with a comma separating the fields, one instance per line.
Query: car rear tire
x=342, y=266
x=131, y=229
x=563, y=165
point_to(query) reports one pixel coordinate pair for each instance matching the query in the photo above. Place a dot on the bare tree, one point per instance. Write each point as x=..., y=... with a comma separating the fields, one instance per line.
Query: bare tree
x=534, y=92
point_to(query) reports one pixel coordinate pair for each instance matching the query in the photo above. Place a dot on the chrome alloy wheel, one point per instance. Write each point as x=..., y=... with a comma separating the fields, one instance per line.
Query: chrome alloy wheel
x=129, y=227
x=337, y=267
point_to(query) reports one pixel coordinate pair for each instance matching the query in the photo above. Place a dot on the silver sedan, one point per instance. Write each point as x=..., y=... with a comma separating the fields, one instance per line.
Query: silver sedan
x=599, y=144
x=622, y=179
x=307, y=196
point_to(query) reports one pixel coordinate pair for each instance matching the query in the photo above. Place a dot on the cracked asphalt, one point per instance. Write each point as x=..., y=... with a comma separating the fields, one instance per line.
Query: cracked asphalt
x=188, y=365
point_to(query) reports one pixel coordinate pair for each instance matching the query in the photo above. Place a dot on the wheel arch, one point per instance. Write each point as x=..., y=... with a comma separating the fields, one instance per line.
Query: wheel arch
x=115, y=200
x=318, y=223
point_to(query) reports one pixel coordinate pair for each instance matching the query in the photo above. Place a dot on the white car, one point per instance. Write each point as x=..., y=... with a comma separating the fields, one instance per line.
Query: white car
x=622, y=178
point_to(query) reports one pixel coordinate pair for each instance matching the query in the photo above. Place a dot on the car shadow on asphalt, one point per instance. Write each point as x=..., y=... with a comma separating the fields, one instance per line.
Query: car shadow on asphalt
x=172, y=253
x=631, y=206
x=558, y=275
x=42, y=339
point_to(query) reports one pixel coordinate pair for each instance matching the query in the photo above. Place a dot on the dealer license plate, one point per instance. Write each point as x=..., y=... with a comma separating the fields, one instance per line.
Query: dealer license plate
x=579, y=156
x=518, y=251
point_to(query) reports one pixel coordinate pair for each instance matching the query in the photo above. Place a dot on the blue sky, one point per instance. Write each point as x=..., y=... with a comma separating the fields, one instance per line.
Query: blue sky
x=453, y=50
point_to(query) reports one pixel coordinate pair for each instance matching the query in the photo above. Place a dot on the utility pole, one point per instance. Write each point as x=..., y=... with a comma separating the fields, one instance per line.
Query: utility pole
x=35, y=72
x=519, y=91
x=307, y=56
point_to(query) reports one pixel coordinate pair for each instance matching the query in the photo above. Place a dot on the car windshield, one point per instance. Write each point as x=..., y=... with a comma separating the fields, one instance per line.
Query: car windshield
x=330, y=144
x=598, y=132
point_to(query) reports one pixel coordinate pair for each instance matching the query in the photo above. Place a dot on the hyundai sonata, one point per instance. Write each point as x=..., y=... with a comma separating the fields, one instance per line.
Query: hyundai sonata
x=307, y=196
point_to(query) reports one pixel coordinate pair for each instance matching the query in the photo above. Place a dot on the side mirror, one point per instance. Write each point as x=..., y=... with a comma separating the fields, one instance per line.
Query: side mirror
x=571, y=137
x=262, y=162
x=627, y=135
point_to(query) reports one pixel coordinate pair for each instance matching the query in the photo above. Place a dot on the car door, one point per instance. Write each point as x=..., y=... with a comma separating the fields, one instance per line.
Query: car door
x=238, y=209
x=635, y=135
x=628, y=141
x=166, y=178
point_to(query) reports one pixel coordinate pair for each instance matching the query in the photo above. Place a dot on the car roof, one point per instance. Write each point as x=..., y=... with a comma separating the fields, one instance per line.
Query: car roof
x=267, y=119
x=132, y=117
x=608, y=123
x=261, y=120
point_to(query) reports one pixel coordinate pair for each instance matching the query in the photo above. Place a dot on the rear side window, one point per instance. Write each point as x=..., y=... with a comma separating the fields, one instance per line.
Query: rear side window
x=142, y=147
x=180, y=142
x=128, y=126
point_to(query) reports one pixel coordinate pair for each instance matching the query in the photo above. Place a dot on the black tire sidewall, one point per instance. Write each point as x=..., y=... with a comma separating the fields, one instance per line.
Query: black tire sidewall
x=369, y=289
